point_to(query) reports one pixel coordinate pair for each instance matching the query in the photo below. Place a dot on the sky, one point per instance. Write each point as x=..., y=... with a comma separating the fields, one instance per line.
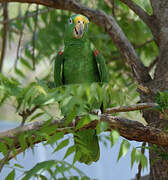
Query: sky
x=107, y=168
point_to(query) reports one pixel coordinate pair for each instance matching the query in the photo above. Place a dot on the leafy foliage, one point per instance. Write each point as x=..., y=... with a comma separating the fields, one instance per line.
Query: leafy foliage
x=54, y=168
x=137, y=156
x=162, y=100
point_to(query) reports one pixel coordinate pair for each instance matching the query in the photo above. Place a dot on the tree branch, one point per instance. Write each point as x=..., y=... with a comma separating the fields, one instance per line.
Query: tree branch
x=111, y=4
x=111, y=27
x=25, y=114
x=6, y=158
x=34, y=36
x=138, y=11
x=140, y=106
x=20, y=37
x=131, y=130
x=150, y=21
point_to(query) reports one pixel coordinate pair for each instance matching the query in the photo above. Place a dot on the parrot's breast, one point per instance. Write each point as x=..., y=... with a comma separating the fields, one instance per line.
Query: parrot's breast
x=79, y=66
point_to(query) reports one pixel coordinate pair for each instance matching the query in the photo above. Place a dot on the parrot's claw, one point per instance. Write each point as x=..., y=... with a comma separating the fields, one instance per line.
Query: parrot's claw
x=97, y=112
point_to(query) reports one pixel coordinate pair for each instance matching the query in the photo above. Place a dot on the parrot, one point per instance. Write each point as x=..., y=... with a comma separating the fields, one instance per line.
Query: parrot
x=78, y=64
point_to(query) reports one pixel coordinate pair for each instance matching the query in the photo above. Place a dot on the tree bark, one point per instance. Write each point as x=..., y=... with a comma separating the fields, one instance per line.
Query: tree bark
x=158, y=166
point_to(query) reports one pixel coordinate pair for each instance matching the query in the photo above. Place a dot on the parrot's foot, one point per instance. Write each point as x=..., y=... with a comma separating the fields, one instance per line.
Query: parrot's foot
x=97, y=112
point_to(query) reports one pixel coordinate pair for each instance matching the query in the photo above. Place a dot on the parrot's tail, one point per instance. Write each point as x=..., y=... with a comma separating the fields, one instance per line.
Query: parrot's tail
x=87, y=146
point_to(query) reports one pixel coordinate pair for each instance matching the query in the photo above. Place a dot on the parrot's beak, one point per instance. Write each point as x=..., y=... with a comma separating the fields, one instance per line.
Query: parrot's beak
x=79, y=30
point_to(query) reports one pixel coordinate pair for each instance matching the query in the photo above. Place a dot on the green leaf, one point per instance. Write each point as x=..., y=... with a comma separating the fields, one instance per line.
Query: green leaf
x=125, y=145
x=69, y=151
x=46, y=124
x=102, y=126
x=51, y=174
x=46, y=165
x=41, y=177
x=55, y=137
x=49, y=129
x=83, y=121
x=19, y=72
x=137, y=156
x=38, y=167
x=114, y=136
x=29, y=137
x=36, y=116
x=18, y=166
x=74, y=178
x=3, y=148
x=133, y=157
x=85, y=178
x=70, y=117
x=25, y=63
x=144, y=161
x=11, y=175
x=62, y=144
x=9, y=141
x=22, y=141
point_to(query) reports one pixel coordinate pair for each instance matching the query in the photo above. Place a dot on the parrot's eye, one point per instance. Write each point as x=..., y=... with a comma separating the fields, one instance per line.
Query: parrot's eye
x=78, y=21
x=70, y=21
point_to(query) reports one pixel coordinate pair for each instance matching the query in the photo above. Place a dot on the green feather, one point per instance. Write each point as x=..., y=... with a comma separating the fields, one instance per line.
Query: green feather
x=87, y=147
x=58, y=70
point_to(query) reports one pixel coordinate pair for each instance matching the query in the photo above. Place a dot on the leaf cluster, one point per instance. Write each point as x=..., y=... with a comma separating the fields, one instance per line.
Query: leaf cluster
x=162, y=100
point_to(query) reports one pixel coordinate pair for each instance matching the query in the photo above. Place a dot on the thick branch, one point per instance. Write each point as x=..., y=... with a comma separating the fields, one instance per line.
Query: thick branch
x=150, y=21
x=131, y=130
x=109, y=24
x=138, y=11
x=140, y=106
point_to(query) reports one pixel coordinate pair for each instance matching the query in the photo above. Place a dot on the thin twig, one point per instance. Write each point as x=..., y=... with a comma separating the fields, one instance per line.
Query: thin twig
x=138, y=175
x=143, y=44
x=34, y=36
x=111, y=4
x=4, y=34
x=108, y=2
x=5, y=159
x=21, y=35
x=134, y=107
x=29, y=15
x=113, y=8
x=25, y=114
x=12, y=155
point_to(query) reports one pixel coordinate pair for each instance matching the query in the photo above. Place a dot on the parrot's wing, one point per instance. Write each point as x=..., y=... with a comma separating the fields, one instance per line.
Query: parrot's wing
x=101, y=66
x=58, y=67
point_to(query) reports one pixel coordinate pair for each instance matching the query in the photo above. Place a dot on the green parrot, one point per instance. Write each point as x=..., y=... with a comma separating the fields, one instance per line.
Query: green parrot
x=79, y=64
